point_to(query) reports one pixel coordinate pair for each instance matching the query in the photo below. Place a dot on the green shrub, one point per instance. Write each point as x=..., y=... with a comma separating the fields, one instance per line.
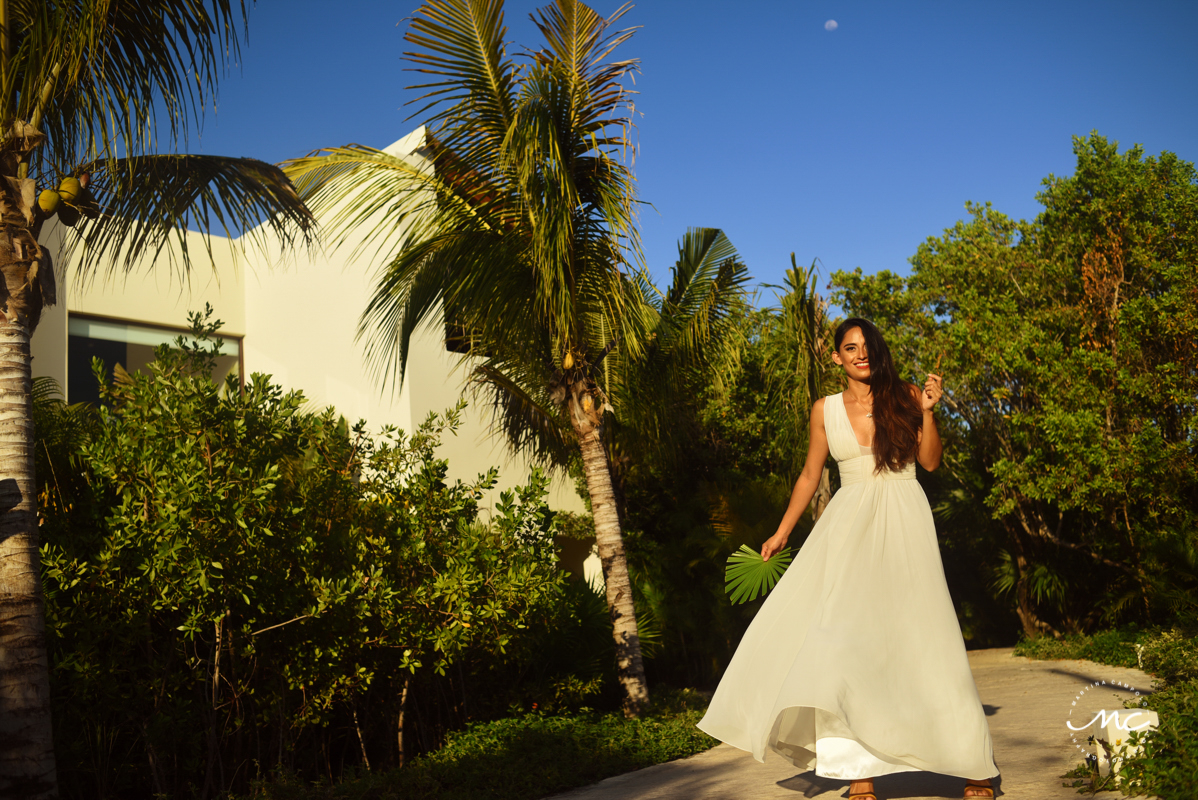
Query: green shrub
x=1171, y=655
x=1168, y=767
x=526, y=757
x=224, y=563
x=1117, y=647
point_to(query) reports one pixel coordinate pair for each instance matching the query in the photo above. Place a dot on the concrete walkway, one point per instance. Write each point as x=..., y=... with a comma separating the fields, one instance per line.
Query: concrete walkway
x=1027, y=703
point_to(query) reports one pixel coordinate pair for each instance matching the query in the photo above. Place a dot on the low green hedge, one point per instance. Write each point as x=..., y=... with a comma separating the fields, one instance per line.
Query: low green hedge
x=527, y=757
x=1168, y=767
x=1116, y=648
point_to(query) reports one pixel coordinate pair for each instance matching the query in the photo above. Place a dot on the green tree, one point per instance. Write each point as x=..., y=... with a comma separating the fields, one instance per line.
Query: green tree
x=83, y=87
x=278, y=575
x=516, y=237
x=1070, y=348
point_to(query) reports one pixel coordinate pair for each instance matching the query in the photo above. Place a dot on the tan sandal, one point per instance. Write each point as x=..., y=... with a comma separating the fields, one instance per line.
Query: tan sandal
x=982, y=787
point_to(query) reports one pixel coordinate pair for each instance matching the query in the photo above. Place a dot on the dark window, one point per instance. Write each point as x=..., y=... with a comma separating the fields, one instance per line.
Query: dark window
x=125, y=343
x=81, y=384
x=456, y=339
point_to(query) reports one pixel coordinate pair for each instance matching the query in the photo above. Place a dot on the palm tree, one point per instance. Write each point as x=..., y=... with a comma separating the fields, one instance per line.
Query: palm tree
x=801, y=368
x=83, y=86
x=692, y=341
x=517, y=239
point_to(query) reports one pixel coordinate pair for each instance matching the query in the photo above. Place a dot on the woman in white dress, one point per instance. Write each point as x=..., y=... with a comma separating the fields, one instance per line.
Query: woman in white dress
x=854, y=665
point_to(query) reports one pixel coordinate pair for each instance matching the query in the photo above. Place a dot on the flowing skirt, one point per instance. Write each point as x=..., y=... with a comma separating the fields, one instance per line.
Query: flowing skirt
x=855, y=666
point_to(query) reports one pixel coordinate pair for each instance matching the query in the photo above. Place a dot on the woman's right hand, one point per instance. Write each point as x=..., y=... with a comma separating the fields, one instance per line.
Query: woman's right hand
x=773, y=545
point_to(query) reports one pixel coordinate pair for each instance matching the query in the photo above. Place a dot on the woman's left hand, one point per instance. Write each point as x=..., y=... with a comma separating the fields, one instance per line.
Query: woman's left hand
x=933, y=390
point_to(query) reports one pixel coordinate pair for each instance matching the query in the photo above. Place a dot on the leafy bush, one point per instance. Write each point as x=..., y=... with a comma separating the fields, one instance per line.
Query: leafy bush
x=1168, y=767
x=1171, y=654
x=1116, y=647
x=527, y=757
x=235, y=585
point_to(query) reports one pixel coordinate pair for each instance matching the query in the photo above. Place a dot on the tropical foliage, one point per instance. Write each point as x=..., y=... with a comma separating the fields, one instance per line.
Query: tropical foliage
x=233, y=585
x=516, y=229
x=748, y=575
x=89, y=90
x=1070, y=349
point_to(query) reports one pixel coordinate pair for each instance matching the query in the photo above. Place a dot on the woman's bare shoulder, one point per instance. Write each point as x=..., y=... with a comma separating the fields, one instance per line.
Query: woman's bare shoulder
x=817, y=412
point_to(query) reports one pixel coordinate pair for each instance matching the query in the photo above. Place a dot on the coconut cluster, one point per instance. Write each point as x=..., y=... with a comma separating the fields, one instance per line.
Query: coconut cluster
x=65, y=200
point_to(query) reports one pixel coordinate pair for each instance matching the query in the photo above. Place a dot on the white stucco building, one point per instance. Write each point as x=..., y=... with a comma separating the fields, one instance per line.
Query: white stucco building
x=293, y=318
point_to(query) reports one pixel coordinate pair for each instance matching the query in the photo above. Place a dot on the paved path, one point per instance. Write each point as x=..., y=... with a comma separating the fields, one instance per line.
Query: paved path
x=1027, y=703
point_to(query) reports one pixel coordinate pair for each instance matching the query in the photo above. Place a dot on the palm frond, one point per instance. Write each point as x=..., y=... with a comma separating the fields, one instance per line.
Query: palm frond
x=709, y=280
x=700, y=252
x=145, y=202
x=579, y=221
x=462, y=45
x=380, y=198
x=532, y=426
x=407, y=297
x=97, y=76
x=748, y=575
x=579, y=41
x=800, y=365
x=692, y=337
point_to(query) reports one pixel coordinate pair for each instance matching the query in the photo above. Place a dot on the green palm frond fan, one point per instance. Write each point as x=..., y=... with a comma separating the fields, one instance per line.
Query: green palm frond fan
x=748, y=576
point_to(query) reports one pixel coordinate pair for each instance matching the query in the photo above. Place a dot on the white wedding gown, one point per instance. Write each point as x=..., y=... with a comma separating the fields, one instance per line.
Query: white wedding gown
x=854, y=664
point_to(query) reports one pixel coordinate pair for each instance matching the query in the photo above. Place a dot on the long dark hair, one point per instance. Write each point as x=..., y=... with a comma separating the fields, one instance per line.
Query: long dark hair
x=897, y=413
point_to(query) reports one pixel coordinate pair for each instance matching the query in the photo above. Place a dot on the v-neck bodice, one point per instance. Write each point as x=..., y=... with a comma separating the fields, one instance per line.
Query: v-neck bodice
x=842, y=439
x=845, y=448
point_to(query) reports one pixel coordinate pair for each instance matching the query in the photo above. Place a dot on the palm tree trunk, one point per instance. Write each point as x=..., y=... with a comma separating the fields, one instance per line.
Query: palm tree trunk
x=630, y=667
x=27, y=768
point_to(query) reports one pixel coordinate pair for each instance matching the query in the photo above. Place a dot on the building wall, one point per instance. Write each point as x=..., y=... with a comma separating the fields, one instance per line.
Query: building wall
x=298, y=315
x=147, y=294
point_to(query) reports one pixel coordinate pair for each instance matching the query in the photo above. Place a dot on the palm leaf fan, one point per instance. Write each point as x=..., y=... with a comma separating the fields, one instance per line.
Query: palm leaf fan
x=748, y=575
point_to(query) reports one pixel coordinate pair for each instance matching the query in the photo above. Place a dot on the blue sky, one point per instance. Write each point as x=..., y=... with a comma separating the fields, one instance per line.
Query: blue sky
x=850, y=145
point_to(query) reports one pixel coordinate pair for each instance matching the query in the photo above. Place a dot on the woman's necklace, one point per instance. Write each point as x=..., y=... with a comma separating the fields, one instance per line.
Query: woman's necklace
x=868, y=414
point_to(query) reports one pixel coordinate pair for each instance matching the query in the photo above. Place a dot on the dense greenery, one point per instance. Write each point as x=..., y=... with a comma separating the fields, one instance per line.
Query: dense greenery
x=528, y=756
x=1070, y=350
x=234, y=585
